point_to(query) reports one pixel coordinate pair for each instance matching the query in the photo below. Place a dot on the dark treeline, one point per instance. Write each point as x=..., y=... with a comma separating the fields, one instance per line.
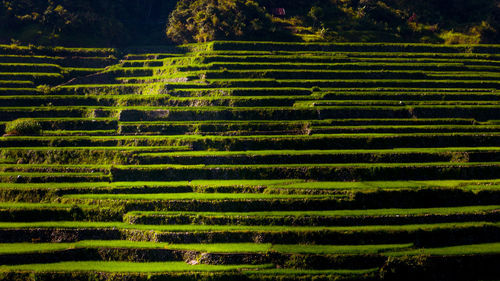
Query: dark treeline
x=85, y=22
x=139, y=22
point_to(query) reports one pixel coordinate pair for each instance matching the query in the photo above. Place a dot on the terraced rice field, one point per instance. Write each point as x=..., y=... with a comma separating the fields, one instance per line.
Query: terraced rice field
x=251, y=161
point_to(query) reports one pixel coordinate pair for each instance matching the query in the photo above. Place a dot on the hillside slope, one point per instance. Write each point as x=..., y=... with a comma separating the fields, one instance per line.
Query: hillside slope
x=251, y=161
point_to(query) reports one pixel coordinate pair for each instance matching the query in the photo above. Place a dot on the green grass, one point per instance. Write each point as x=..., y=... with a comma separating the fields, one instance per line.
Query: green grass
x=31, y=74
x=301, y=122
x=474, y=185
x=341, y=272
x=231, y=228
x=78, y=132
x=194, y=196
x=217, y=183
x=201, y=183
x=387, y=249
x=339, y=249
x=17, y=248
x=13, y=248
x=180, y=138
x=393, y=184
x=114, y=266
x=52, y=174
x=100, y=148
x=339, y=213
x=322, y=152
x=35, y=206
x=475, y=249
x=322, y=165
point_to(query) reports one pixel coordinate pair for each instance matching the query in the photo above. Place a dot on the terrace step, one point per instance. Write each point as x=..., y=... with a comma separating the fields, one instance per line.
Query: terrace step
x=350, y=47
x=402, y=155
x=26, y=212
x=422, y=235
x=176, y=269
x=18, y=91
x=400, y=129
x=464, y=65
x=253, y=155
x=75, y=61
x=350, y=83
x=478, y=112
x=317, y=218
x=25, y=84
x=340, y=172
x=27, y=67
x=39, y=177
x=37, y=78
x=288, y=127
x=355, y=74
x=277, y=142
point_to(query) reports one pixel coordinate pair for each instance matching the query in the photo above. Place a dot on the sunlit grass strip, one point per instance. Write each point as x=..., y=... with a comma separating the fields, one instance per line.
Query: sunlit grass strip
x=335, y=47
x=38, y=206
x=207, y=183
x=306, y=272
x=312, y=121
x=464, y=184
x=115, y=266
x=95, y=175
x=322, y=165
x=100, y=148
x=250, y=137
x=474, y=249
x=281, y=184
x=237, y=228
x=337, y=213
x=322, y=152
x=16, y=248
x=351, y=55
x=194, y=196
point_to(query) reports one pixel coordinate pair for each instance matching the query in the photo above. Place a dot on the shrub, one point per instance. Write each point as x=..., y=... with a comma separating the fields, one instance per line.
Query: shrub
x=24, y=126
x=451, y=37
x=316, y=89
x=487, y=34
x=45, y=89
x=207, y=20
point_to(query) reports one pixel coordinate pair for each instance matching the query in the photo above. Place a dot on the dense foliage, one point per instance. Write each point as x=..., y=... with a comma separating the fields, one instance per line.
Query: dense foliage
x=206, y=20
x=23, y=127
x=446, y=21
x=124, y=22
x=83, y=22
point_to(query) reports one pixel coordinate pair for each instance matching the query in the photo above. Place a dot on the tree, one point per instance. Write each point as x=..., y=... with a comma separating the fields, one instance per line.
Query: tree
x=206, y=20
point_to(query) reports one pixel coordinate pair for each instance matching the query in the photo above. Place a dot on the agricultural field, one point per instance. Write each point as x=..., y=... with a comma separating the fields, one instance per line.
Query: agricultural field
x=250, y=161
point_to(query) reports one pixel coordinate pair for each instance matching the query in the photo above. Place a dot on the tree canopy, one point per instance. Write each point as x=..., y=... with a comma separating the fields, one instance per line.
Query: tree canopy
x=206, y=20
x=140, y=22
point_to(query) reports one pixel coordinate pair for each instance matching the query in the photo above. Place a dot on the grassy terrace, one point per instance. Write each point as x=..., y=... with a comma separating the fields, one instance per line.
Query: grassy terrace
x=230, y=228
x=337, y=213
x=389, y=249
x=318, y=218
x=211, y=248
x=266, y=142
x=129, y=267
x=251, y=161
x=193, y=196
x=257, y=185
x=315, y=152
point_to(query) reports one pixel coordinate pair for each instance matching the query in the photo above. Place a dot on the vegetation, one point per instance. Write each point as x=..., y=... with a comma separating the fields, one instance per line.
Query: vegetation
x=211, y=248
x=208, y=20
x=23, y=127
x=123, y=22
x=253, y=160
x=114, y=266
